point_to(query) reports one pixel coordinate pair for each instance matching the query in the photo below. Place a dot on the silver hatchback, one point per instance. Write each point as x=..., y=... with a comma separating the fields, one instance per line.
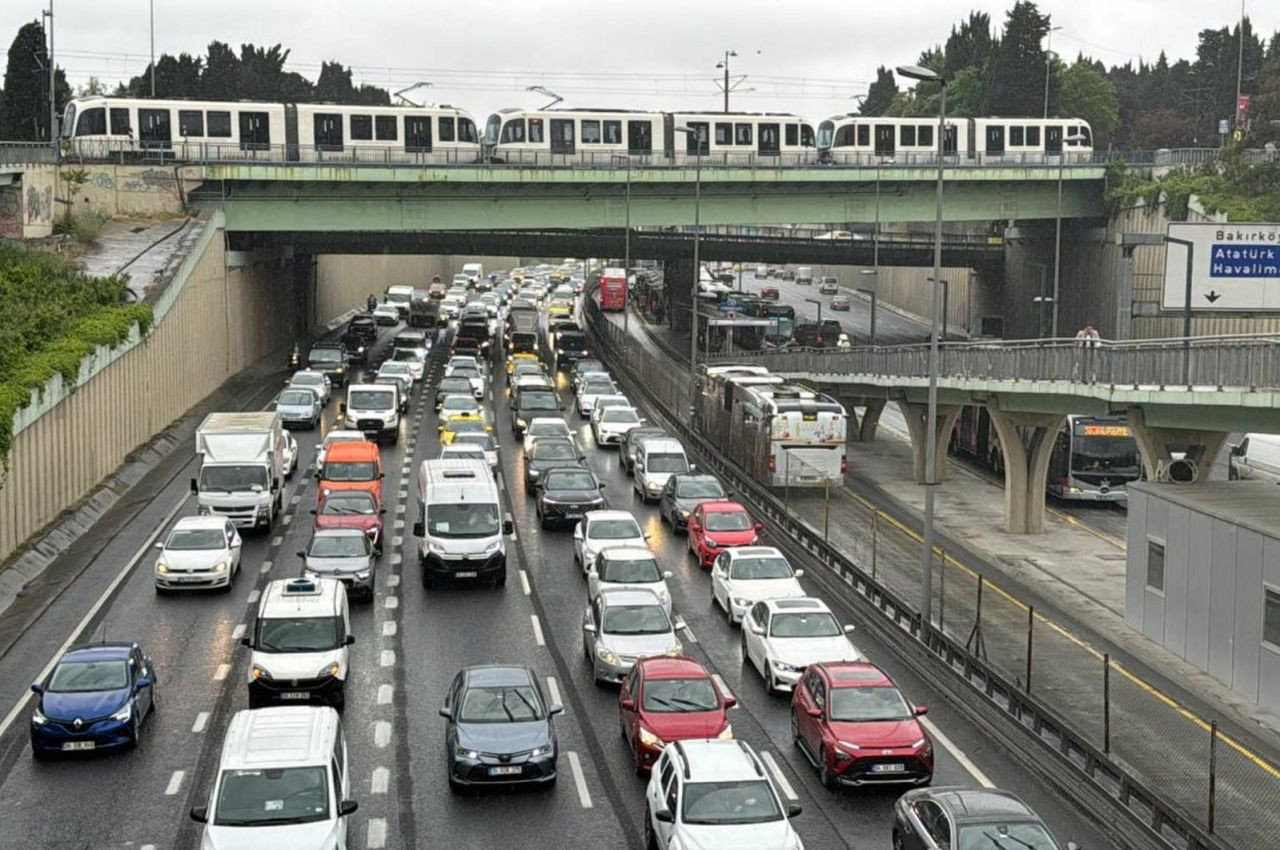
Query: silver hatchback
x=621, y=626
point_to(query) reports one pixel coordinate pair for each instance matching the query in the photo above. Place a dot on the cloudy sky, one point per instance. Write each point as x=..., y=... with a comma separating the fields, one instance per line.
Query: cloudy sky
x=807, y=56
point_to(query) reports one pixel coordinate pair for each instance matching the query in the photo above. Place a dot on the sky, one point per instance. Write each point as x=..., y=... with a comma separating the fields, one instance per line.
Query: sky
x=806, y=56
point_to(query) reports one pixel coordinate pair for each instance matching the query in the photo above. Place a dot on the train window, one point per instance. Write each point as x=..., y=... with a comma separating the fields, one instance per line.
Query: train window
x=724, y=133
x=697, y=141
x=792, y=134
x=864, y=135
x=613, y=132
x=1033, y=137
x=120, y=125
x=327, y=127
x=1016, y=137
x=190, y=122
x=467, y=131
x=924, y=136
x=806, y=135
x=742, y=134
x=513, y=131
x=384, y=128
x=218, y=124
x=907, y=136
x=362, y=128
x=591, y=132
x=535, y=130
x=446, y=129
x=92, y=122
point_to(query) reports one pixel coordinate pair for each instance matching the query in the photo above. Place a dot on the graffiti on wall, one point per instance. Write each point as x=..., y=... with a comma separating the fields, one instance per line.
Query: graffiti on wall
x=11, y=211
x=39, y=206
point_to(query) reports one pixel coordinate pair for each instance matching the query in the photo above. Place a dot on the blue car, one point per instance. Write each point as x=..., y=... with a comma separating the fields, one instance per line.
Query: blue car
x=96, y=698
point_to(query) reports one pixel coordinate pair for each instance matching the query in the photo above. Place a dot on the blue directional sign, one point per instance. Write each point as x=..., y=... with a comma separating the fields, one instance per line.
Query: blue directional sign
x=1233, y=267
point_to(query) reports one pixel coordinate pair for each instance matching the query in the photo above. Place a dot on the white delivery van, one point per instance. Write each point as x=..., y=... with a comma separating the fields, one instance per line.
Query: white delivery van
x=299, y=643
x=473, y=271
x=241, y=467
x=804, y=275
x=374, y=410
x=461, y=525
x=400, y=297
x=656, y=461
x=1256, y=458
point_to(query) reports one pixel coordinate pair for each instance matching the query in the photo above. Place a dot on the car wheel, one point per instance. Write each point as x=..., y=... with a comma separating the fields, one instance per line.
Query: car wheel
x=135, y=735
x=824, y=771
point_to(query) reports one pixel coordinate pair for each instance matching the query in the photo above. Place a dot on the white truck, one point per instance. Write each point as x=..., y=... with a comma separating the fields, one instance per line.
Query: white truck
x=242, y=466
x=804, y=276
x=473, y=271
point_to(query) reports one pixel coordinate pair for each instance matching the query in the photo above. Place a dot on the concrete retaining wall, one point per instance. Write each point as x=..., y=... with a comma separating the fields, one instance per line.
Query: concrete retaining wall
x=343, y=280
x=907, y=288
x=128, y=190
x=27, y=202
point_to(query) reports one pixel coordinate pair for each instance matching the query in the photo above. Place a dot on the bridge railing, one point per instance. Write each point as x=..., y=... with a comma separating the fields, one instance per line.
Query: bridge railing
x=25, y=153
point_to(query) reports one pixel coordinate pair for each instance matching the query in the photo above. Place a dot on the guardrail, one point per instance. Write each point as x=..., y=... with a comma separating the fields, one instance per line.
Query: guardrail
x=25, y=153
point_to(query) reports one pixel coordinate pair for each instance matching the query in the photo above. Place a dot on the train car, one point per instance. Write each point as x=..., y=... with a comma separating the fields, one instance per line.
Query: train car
x=739, y=137
x=864, y=140
x=1029, y=139
x=552, y=136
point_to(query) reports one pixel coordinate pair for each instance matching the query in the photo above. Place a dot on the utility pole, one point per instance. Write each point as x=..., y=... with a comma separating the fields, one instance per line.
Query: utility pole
x=725, y=65
x=53, y=88
x=1240, y=72
x=152, y=4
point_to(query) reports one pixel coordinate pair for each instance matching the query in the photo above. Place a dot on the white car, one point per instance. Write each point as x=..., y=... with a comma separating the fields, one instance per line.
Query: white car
x=386, y=314
x=781, y=637
x=290, y=454
x=545, y=426
x=592, y=388
x=527, y=381
x=458, y=403
x=608, y=424
x=414, y=358
x=314, y=380
x=481, y=440
x=337, y=436
x=472, y=374
x=628, y=568
x=200, y=552
x=716, y=794
x=602, y=529
x=744, y=575
x=465, y=360
x=398, y=369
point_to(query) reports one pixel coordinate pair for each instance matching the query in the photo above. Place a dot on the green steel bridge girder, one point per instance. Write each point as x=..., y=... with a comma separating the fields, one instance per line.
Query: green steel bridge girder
x=332, y=198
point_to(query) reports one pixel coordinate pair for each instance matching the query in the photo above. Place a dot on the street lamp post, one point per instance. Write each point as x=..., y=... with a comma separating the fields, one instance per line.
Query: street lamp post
x=915, y=72
x=1048, y=59
x=696, y=133
x=1057, y=226
x=725, y=65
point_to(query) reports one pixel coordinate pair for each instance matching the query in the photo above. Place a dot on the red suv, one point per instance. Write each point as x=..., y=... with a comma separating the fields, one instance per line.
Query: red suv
x=851, y=721
x=715, y=526
x=670, y=699
x=353, y=509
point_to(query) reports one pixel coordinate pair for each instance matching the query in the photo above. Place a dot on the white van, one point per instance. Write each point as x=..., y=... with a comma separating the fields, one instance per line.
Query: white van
x=373, y=409
x=461, y=526
x=473, y=271
x=656, y=461
x=400, y=297
x=804, y=275
x=299, y=643
x=1256, y=458
x=283, y=782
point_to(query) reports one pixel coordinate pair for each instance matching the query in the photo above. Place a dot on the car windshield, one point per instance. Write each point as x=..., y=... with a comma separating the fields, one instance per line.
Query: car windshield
x=300, y=397
x=748, y=801
x=636, y=620
x=630, y=570
x=299, y=634
x=728, y=521
x=347, y=503
x=664, y=695
x=304, y=380
x=1000, y=836
x=482, y=441
x=544, y=429
x=453, y=385
x=462, y=520
x=84, y=676
x=620, y=414
x=613, y=529
x=196, y=538
x=343, y=470
x=756, y=569
x=272, y=796
x=459, y=404
x=804, y=625
x=538, y=401
x=338, y=546
x=570, y=481
x=458, y=426
x=465, y=370
x=325, y=355
x=500, y=704
x=699, y=488
x=597, y=386
x=542, y=450
x=867, y=703
x=230, y=479
x=371, y=400
x=404, y=355
x=458, y=451
x=666, y=463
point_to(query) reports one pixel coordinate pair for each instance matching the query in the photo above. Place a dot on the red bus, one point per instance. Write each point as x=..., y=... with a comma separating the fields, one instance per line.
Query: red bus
x=613, y=290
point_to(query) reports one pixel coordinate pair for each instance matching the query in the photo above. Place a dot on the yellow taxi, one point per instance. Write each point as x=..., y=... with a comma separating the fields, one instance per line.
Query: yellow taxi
x=462, y=423
x=522, y=357
x=560, y=308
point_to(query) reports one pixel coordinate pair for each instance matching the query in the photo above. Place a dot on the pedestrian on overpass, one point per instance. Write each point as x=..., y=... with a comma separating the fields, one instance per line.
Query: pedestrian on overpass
x=1088, y=339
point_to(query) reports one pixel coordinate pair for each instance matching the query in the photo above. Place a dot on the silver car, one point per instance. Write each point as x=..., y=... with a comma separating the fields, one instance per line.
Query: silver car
x=299, y=407
x=621, y=626
x=345, y=554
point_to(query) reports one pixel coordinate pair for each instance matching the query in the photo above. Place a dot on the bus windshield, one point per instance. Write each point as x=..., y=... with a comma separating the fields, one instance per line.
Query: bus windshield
x=1103, y=447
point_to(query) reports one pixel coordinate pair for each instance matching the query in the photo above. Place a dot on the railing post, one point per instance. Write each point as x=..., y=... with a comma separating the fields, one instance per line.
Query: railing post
x=875, y=527
x=1213, y=771
x=975, y=643
x=942, y=592
x=1106, y=703
x=1031, y=622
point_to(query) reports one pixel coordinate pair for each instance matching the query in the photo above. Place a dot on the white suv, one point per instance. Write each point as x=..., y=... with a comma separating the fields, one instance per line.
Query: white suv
x=716, y=794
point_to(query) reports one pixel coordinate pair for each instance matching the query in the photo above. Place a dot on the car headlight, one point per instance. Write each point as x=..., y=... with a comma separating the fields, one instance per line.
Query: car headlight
x=727, y=734
x=676, y=651
x=363, y=575
x=711, y=544
x=606, y=655
x=683, y=513
x=533, y=473
x=784, y=667
x=649, y=739
x=493, y=547
x=653, y=487
x=161, y=568
x=437, y=548
x=38, y=718
x=260, y=672
x=539, y=751
x=220, y=567
x=741, y=602
x=124, y=713
x=521, y=424
x=329, y=671
x=464, y=753
x=849, y=745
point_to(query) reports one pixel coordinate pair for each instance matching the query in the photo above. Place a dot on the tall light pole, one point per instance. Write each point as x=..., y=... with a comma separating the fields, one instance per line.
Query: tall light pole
x=1057, y=227
x=696, y=134
x=1048, y=58
x=1239, y=70
x=915, y=72
x=626, y=259
x=53, y=86
x=724, y=63
x=152, y=6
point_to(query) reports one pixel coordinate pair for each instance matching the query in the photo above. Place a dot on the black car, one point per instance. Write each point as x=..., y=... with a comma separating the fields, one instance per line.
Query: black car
x=530, y=403
x=986, y=818
x=571, y=346
x=630, y=444
x=331, y=358
x=500, y=730
x=683, y=492
x=547, y=454
x=362, y=326
x=822, y=334
x=453, y=385
x=582, y=367
x=566, y=493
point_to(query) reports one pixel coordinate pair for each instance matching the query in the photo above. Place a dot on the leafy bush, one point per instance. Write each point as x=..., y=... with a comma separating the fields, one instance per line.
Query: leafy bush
x=53, y=318
x=1228, y=184
x=86, y=226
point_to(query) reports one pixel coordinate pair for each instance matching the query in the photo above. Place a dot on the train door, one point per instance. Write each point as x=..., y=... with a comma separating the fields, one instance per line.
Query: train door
x=949, y=140
x=885, y=139
x=1052, y=139
x=328, y=131
x=770, y=142
x=640, y=137
x=154, y=129
x=291, y=132
x=417, y=134
x=698, y=143
x=255, y=132
x=562, y=136
x=995, y=138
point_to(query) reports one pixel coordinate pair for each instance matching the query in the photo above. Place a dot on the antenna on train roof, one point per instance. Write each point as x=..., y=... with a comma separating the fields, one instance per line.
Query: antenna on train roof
x=543, y=90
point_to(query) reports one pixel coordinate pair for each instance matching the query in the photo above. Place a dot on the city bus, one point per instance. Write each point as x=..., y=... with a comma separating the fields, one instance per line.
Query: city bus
x=784, y=322
x=613, y=290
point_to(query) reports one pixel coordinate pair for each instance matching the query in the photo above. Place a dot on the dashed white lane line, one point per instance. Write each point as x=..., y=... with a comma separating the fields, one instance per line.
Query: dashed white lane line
x=221, y=672
x=175, y=783
x=400, y=509
x=397, y=541
x=724, y=689
x=399, y=525
x=950, y=746
x=555, y=690
x=404, y=492
x=396, y=558
x=380, y=781
x=389, y=628
x=388, y=658
x=253, y=596
x=393, y=581
x=584, y=796
x=524, y=583
x=266, y=566
x=381, y=733
x=202, y=720
x=376, y=836
x=276, y=541
x=385, y=693
x=537, y=630
x=502, y=485
x=392, y=602
x=147, y=847
x=238, y=631
x=688, y=632
x=294, y=500
x=778, y=776
x=287, y=518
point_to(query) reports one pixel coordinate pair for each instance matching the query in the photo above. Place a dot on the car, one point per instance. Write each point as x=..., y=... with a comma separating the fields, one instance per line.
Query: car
x=472, y=373
x=530, y=404
x=670, y=699
x=634, y=567
x=620, y=627
x=602, y=529
x=500, y=729
x=397, y=381
x=358, y=509
x=616, y=400
x=853, y=724
x=398, y=369
x=608, y=424
x=582, y=368
x=684, y=492
x=450, y=306
x=344, y=554
x=313, y=380
x=565, y=494
x=629, y=444
x=716, y=794
x=363, y=326
x=546, y=454
x=351, y=465
x=299, y=407
x=450, y=428
x=525, y=369
x=769, y=293
x=958, y=817
x=452, y=385
x=829, y=286
x=459, y=404
x=290, y=454
x=337, y=435
x=781, y=637
x=299, y=643
x=526, y=382
x=715, y=526
x=386, y=314
x=199, y=552
x=414, y=358
x=96, y=697
x=527, y=357
x=332, y=358
x=841, y=303
x=482, y=440
x=545, y=426
x=592, y=388
x=656, y=461
x=743, y=575
x=436, y=289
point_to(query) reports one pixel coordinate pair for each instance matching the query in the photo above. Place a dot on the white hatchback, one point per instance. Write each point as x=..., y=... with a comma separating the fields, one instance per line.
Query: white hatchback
x=200, y=552
x=602, y=529
x=781, y=637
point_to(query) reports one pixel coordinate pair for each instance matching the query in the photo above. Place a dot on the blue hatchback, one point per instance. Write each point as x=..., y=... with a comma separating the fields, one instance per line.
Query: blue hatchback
x=95, y=699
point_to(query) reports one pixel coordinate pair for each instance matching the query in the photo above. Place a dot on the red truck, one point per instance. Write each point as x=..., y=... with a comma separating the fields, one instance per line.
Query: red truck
x=613, y=290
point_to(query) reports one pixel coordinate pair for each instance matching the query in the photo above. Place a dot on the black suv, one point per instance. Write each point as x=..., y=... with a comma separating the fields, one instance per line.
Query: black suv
x=531, y=403
x=332, y=358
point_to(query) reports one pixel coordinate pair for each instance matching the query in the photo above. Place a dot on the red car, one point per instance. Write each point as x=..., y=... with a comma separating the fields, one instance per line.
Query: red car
x=851, y=721
x=715, y=526
x=769, y=292
x=353, y=509
x=670, y=699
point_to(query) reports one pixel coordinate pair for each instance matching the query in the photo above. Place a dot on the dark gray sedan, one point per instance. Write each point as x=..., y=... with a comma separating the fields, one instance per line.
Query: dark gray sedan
x=972, y=818
x=683, y=492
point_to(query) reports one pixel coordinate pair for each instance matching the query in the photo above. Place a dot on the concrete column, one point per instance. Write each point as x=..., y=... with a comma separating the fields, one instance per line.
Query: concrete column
x=915, y=415
x=870, y=419
x=1157, y=445
x=1026, y=465
x=678, y=278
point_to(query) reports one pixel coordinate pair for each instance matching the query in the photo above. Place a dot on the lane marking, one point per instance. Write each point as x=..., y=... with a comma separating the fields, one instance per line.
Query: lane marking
x=389, y=628
x=74, y=637
x=400, y=509
x=584, y=796
x=392, y=603
x=950, y=746
x=385, y=693
x=287, y=518
x=778, y=776
x=689, y=633
x=537, y=630
x=380, y=781
x=555, y=691
x=396, y=558
x=381, y=734
x=221, y=672
x=399, y=526
x=397, y=540
x=295, y=499
x=202, y=720
x=253, y=596
x=393, y=581
x=175, y=783
x=524, y=583
x=388, y=658
x=266, y=566
x=238, y=631
x=724, y=689
x=276, y=541
x=376, y=836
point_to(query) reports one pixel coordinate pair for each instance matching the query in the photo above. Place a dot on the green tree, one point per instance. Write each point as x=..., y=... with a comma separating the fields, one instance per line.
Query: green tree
x=93, y=87
x=880, y=94
x=1088, y=94
x=176, y=77
x=334, y=84
x=25, y=106
x=1016, y=83
x=1264, y=111
x=970, y=45
x=221, y=78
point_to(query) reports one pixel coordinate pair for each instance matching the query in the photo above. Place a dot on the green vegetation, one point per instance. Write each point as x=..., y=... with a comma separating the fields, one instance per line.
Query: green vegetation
x=1229, y=184
x=54, y=317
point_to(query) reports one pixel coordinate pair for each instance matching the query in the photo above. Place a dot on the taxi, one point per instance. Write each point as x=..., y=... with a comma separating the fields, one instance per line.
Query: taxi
x=522, y=357
x=462, y=423
x=559, y=307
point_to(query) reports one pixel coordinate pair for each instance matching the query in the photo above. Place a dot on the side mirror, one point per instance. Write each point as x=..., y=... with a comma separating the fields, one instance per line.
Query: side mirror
x=577, y=532
x=679, y=622
x=200, y=814
x=381, y=511
x=351, y=639
x=446, y=712
x=158, y=546
x=554, y=710
x=312, y=511
x=347, y=807
x=1071, y=845
x=381, y=475
x=922, y=710
x=794, y=810
x=301, y=554
x=600, y=485
x=759, y=527
x=799, y=573
x=664, y=816
x=589, y=628
x=342, y=407
x=508, y=525
x=244, y=641
x=815, y=712
x=849, y=629
x=37, y=688
x=646, y=535
x=757, y=629
x=627, y=704
x=693, y=467
x=667, y=573
x=419, y=529
x=195, y=488
x=730, y=702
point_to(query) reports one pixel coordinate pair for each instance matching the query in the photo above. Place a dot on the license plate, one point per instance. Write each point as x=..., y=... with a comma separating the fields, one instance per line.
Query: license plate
x=887, y=768
x=294, y=695
x=573, y=514
x=78, y=745
x=513, y=770
x=466, y=574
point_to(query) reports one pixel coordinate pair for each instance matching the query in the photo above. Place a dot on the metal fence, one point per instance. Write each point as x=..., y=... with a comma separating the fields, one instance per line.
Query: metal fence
x=1167, y=766
x=25, y=153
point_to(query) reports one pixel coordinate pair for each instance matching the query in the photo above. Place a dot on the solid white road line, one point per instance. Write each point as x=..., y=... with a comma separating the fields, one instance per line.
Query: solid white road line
x=202, y=720
x=75, y=635
x=175, y=782
x=385, y=693
x=376, y=837
x=778, y=776
x=380, y=781
x=555, y=691
x=221, y=672
x=388, y=658
x=584, y=796
x=524, y=583
x=537, y=630
x=389, y=628
x=950, y=746
x=689, y=634
x=238, y=631
x=724, y=689
x=381, y=733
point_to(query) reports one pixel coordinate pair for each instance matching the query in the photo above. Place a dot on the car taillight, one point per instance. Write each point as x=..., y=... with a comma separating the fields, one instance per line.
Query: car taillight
x=844, y=464
x=773, y=467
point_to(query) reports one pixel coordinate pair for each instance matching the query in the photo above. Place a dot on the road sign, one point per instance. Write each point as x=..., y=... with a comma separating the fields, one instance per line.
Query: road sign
x=1234, y=267
x=731, y=305
x=741, y=323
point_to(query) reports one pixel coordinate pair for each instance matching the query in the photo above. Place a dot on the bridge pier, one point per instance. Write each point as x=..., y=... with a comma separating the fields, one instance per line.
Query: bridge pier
x=863, y=428
x=916, y=414
x=1026, y=465
x=680, y=282
x=1158, y=444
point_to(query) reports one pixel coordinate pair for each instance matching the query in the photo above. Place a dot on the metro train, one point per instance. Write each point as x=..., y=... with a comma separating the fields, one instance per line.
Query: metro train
x=862, y=139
